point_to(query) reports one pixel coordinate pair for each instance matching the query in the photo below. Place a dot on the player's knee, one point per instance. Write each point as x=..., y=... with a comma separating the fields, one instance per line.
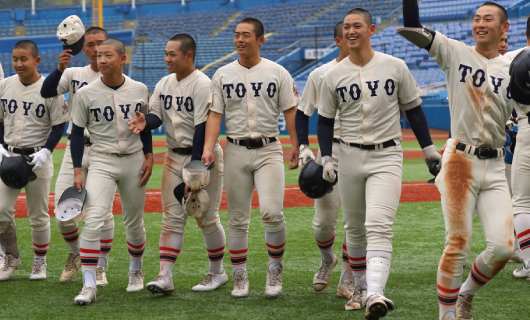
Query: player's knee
x=501, y=252
x=274, y=226
x=135, y=231
x=66, y=226
x=271, y=217
x=40, y=224
x=173, y=228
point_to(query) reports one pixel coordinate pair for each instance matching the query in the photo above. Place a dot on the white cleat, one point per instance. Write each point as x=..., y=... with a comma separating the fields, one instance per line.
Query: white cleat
x=377, y=306
x=357, y=300
x=211, y=282
x=38, y=269
x=136, y=281
x=521, y=272
x=161, y=285
x=321, y=277
x=241, y=288
x=273, y=285
x=71, y=267
x=345, y=287
x=86, y=296
x=101, y=277
x=8, y=266
x=464, y=305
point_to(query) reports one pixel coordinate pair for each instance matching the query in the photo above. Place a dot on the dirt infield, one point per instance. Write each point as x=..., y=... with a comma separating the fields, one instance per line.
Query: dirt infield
x=411, y=192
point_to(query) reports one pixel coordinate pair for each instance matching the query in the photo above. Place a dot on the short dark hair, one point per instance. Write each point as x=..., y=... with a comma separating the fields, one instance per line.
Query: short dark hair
x=96, y=29
x=259, y=30
x=363, y=12
x=337, y=32
x=187, y=43
x=28, y=45
x=117, y=44
x=528, y=27
x=504, y=15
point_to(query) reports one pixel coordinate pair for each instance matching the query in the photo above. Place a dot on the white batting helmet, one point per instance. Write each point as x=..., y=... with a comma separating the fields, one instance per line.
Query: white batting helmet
x=196, y=175
x=71, y=32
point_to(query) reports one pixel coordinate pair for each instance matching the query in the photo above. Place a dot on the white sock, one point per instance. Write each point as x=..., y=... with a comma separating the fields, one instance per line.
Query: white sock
x=89, y=278
x=377, y=271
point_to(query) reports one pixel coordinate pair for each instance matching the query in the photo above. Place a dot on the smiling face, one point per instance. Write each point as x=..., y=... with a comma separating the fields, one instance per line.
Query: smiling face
x=25, y=62
x=488, y=25
x=357, y=31
x=246, y=41
x=110, y=60
x=175, y=59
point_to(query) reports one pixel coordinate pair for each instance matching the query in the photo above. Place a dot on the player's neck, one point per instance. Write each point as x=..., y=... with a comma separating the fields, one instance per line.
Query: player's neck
x=249, y=62
x=486, y=51
x=362, y=56
x=113, y=80
x=27, y=81
x=183, y=74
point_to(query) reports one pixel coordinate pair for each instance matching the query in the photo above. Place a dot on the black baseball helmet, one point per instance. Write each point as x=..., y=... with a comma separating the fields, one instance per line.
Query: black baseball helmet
x=520, y=77
x=311, y=182
x=16, y=172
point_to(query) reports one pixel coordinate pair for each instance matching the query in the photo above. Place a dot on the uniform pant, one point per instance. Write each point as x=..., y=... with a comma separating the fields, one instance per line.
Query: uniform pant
x=37, y=192
x=468, y=184
x=65, y=179
x=105, y=173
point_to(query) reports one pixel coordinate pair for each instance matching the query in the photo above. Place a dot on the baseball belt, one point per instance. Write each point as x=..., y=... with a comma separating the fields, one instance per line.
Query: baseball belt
x=252, y=143
x=481, y=152
x=183, y=151
x=336, y=140
x=23, y=151
x=386, y=144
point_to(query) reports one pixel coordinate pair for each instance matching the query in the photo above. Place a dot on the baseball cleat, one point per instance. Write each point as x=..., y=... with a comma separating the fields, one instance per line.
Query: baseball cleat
x=71, y=267
x=273, y=285
x=345, y=287
x=211, y=282
x=357, y=300
x=321, y=277
x=38, y=269
x=8, y=265
x=464, y=307
x=136, y=281
x=161, y=285
x=101, y=277
x=521, y=272
x=240, y=289
x=86, y=296
x=377, y=306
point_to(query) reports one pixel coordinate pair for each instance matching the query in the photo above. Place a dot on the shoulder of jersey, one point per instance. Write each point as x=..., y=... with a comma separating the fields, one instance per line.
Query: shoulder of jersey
x=202, y=76
x=90, y=86
x=322, y=69
x=389, y=58
x=134, y=83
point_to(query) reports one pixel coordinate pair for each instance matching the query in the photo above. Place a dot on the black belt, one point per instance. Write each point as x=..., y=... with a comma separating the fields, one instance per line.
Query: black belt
x=336, y=140
x=24, y=151
x=87, y=140
x=252, y=143
x=183, y=151
x=386, y=144
x=481, y=152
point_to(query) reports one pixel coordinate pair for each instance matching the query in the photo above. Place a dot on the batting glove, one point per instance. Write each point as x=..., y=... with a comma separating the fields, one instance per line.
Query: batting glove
x=305, y=155
x=40, y=158
x=329, y=174
x=433, y=159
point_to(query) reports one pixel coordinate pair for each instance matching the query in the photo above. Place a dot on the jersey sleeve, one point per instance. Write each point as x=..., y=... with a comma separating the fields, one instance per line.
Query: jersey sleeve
x=64, y=83
x=288, y=95
x=155, y=106
x=327, y=103
x=80, y=110
x=442, y=50
x=308, y=103
x=218, y=102
x=202, y=102
x=408, y=93
x=57, y=109
x=2, y=102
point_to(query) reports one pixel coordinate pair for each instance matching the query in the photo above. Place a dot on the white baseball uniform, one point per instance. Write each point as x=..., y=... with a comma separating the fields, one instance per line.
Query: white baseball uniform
x=71, y=81
x=367, y=101
x=327, y=207
x=28, y=119
x=472, y=178
x=182, y=105
x=251, y=100
x=116, y=160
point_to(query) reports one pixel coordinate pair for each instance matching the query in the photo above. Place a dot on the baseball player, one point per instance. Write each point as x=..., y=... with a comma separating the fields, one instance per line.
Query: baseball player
x=366, y=92
x=251, y=92
x=104, y=108
x=181, y=101
x=30, y=126
x=473, y=172
x=327, y=207
x=523, y=192
x=503, y=44
x=69, y=80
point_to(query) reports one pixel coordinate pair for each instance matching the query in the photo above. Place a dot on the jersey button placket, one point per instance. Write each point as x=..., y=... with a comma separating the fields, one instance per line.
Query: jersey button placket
x=362, y=133
x=251, y=108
